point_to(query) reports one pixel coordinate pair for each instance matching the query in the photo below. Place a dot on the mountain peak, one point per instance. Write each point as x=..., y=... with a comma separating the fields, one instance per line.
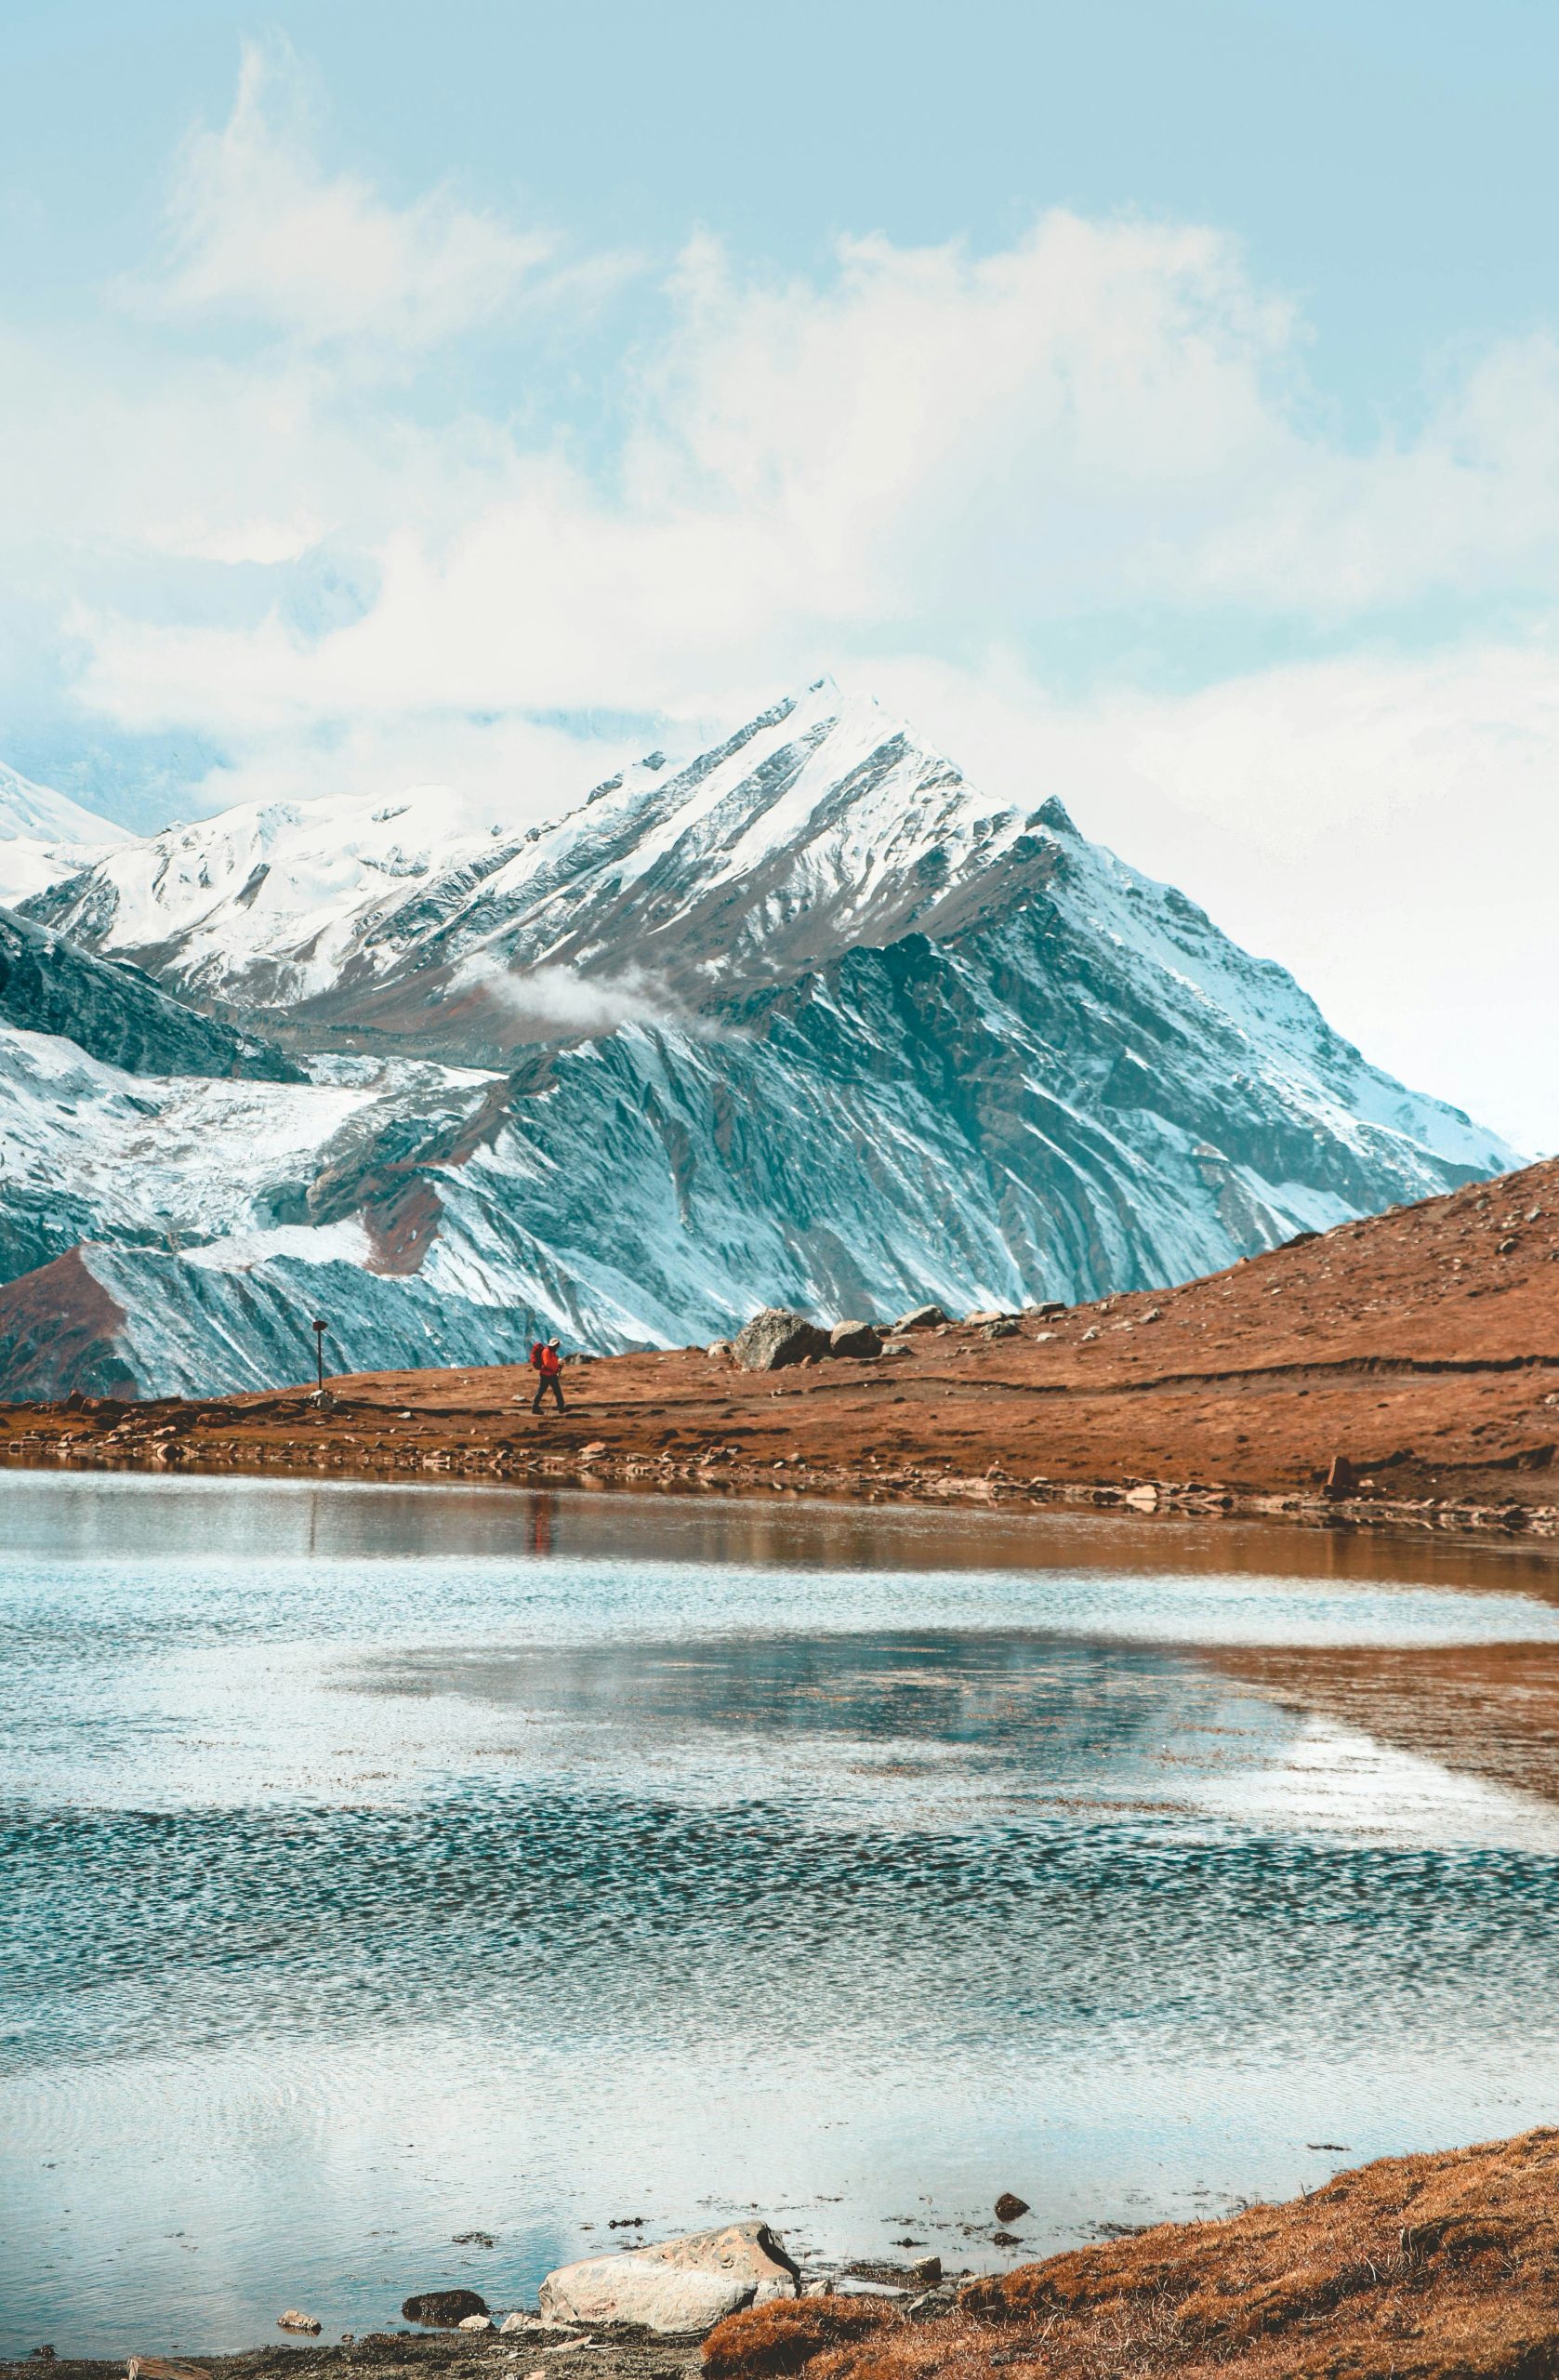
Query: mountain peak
x=32, y=813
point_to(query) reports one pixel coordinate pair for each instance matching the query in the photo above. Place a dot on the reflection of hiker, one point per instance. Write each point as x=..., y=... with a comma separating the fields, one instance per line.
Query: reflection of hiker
x=548, y=1364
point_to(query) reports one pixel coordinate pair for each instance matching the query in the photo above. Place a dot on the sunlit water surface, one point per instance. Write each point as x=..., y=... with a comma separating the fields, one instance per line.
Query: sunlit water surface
x=385, y=1865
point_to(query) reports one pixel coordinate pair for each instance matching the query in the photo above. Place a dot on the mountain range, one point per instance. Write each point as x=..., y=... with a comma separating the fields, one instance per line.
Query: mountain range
x=809, y=1019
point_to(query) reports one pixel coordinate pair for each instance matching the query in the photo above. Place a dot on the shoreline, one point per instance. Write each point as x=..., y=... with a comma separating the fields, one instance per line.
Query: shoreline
x=192, y=1442
x=1434, y=2266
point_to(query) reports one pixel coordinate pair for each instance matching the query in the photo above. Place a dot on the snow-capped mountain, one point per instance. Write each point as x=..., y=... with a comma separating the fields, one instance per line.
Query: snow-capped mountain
x=811, y=1020
x=45, y=836
x=262, y=907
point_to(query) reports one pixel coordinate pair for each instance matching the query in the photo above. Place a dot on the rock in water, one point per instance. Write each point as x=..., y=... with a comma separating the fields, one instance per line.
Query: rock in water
x=854, y=1339
x=1009, y=2206
x=293, y=2320
x=924, y=1318
x=443, y=2310
x=679, y=2287
x=477, y=2322
x=775, y=1337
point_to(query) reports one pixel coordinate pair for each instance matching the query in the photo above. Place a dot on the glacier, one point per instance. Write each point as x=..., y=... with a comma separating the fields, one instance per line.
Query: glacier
x=810, y=1019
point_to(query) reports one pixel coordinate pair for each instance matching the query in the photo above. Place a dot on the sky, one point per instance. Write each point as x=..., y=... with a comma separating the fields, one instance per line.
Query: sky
x=1156, y=404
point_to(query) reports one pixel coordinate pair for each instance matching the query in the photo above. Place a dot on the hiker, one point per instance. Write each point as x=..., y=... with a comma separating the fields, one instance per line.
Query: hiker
x=548, y=1364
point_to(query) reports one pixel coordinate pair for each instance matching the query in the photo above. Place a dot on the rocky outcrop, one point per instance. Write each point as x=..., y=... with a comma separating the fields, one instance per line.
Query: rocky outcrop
x=775, y=1337
x=443, y=2310
x=680, y=2287
x=117, y=1014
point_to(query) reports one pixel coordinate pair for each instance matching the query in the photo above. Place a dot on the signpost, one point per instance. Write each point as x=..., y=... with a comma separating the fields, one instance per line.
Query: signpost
x=319, y=1330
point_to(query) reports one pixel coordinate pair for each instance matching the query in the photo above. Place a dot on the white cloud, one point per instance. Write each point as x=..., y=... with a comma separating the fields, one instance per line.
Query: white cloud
x=917, y=468
x=257, y=230
x=1105, y=420
x=540, y=1003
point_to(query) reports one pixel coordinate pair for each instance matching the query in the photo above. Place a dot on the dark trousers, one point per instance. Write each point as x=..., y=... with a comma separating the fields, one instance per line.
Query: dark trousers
x=548, y=1380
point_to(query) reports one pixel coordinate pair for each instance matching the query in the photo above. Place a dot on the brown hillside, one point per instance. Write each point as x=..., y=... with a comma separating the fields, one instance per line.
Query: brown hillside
x=1415, y=2269
x=1423, y=1346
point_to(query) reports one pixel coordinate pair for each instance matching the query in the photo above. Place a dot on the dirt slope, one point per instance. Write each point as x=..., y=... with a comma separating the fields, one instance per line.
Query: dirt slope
x=1415, y=2266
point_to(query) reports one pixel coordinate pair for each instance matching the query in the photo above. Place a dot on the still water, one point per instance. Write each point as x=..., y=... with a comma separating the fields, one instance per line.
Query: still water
x=381, y=1865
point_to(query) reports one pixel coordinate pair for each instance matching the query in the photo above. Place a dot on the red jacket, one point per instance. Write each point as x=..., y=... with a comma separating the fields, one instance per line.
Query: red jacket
x=546, y=1359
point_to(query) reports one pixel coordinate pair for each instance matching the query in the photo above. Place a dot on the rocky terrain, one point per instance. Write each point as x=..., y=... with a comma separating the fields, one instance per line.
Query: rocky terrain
x=811, y=1018
x=1417, y=1353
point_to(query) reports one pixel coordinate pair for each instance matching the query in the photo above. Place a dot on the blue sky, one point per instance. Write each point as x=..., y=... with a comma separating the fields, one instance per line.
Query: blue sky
x=1159, y=403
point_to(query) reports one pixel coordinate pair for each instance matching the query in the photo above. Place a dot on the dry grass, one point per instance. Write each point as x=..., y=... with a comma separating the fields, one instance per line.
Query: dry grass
x=1415, y=2266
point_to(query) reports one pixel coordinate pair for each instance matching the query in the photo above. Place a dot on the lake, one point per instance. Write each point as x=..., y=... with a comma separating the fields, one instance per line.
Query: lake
x=382, y=1865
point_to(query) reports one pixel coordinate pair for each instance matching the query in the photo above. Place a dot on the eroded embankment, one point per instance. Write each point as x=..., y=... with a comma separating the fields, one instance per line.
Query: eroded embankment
x=1444, y=2265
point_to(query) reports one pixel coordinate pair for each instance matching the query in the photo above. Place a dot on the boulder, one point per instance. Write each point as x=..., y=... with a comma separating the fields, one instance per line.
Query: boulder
x=680, y=2287
x=1009, y=2206
x=776, y=1337
x=854, y=1339
x=477, y=2322
x=924, y=1318
x=989, y=1313
x=293, y=2320
x=443, y=2310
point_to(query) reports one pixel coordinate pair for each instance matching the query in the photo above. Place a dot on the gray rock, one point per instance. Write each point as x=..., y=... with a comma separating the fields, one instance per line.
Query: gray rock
x=1009, y=2206
x=854, y=1339
x=775, y=1337
x=679, y=2287
x=293, y=2320
x=477, y=2322
x=924, y=1318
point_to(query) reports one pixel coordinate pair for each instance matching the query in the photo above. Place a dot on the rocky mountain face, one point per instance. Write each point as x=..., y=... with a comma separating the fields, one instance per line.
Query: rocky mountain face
x=808, y=1022
x=116, y=1012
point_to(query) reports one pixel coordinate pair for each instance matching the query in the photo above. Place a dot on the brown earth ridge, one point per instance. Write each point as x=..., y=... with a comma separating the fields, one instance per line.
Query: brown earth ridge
x=1421, y=1346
